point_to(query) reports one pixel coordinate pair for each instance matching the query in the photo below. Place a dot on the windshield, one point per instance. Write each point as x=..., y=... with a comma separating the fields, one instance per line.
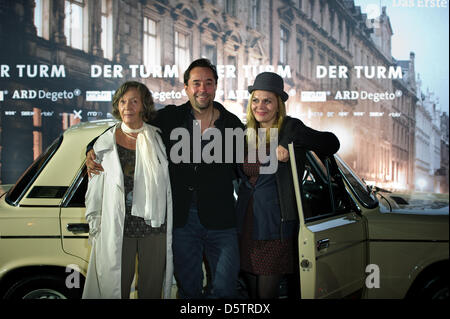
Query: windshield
x=20, y=188
x=358, y=187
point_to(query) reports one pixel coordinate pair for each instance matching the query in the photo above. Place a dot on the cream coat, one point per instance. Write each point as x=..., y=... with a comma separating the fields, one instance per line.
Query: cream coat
x=105, y=212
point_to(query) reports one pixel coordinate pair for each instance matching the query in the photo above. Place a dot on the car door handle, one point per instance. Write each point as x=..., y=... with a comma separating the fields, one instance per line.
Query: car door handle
x=323, y=244
x=78, y=228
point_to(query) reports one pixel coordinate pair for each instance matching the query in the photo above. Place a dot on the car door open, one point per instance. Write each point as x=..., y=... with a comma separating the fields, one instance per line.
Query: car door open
x=332, y=233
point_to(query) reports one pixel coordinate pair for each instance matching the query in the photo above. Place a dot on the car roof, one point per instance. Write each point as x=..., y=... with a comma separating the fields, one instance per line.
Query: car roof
x=89, y=127
x=69, y=158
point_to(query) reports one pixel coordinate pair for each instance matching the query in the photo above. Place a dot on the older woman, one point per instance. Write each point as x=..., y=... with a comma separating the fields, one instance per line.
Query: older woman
x=266, y=208
x=129, y=205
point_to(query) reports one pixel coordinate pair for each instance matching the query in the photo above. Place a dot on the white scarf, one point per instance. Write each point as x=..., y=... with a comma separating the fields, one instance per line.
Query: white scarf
x=151, y=176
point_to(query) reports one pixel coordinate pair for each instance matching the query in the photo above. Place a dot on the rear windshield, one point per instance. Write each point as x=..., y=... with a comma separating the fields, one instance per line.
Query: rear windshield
x=20, y=188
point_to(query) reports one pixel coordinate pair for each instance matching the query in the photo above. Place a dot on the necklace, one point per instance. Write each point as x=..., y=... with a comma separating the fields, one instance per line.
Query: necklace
x=127, y=130
x=210, y=121
x=129, y=135
x=212, y=116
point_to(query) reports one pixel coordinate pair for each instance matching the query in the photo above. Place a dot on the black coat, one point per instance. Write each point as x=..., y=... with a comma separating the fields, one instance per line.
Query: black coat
x=274, y=205
x=213, y=183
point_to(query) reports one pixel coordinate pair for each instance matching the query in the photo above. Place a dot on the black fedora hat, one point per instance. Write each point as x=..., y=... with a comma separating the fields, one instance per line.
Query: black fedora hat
x=269, y=81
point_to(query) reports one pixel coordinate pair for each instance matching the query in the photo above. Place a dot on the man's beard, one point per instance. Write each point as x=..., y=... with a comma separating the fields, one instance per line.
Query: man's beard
x=202, y=105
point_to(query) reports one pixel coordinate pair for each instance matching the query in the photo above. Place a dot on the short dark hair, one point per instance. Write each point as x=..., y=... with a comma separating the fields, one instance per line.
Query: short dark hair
x=149, y=111
x=202, y=63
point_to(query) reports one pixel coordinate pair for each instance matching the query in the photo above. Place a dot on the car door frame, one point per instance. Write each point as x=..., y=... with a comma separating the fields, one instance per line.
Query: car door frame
x=332, y=250
x=74, y=227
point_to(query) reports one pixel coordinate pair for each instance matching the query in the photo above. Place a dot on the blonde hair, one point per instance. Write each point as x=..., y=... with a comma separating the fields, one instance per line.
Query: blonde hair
x=253, y=124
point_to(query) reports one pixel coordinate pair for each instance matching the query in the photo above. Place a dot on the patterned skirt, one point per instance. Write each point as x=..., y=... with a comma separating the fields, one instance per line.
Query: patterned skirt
x=264, y=257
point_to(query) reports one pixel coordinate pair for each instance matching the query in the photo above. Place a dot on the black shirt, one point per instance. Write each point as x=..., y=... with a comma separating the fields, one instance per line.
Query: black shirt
x=134, y=226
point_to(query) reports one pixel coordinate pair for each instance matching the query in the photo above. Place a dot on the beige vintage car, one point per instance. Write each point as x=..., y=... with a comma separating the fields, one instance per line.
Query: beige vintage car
x=353, y=245
x=350, y=242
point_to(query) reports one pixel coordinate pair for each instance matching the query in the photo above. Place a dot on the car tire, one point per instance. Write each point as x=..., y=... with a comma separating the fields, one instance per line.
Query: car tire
x=42, y=287
x=436, y=288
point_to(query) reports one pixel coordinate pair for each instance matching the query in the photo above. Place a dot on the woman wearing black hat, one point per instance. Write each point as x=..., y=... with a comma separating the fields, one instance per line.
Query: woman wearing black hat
x=266, y=208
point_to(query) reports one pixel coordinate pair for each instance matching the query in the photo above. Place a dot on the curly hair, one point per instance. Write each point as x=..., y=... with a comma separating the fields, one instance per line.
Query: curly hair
x=149, y=111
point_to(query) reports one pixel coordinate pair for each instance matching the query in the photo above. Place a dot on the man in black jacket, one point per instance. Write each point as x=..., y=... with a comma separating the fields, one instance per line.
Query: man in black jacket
x=203, y=203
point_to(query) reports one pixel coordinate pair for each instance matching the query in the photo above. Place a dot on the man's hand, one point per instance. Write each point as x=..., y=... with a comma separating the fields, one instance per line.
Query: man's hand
x=92, y=166
x=282, y=154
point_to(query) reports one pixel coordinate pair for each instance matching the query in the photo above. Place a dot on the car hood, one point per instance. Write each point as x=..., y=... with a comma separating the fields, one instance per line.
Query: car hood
x=410, y=216
x=414, y=203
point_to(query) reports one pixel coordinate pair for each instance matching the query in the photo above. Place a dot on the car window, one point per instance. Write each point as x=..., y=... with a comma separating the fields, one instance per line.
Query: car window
x=47, y=192
x=77, y=192
x=322, y=194
x=358, y=187
x=24, y=182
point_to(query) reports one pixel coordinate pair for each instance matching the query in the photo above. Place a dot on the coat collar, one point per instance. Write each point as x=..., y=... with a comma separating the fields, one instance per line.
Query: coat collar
x=106, y=141
x=106, y=149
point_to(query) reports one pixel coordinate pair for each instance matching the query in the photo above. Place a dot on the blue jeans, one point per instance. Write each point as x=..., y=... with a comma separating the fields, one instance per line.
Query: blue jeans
x=222, y=254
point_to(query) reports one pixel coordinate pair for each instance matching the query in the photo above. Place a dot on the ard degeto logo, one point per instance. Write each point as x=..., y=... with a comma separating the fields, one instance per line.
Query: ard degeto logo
x=45, y=95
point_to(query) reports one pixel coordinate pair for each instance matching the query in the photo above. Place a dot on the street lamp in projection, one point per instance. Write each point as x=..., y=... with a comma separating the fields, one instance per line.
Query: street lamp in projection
x=345, y=136
x=422, y=183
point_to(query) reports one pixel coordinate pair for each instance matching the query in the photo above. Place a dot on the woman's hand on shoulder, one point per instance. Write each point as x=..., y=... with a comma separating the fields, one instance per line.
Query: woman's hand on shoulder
x=92, y=166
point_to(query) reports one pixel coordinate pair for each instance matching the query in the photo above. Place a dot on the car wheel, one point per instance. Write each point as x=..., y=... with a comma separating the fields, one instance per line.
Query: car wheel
x=437, y=288
x=42, y=287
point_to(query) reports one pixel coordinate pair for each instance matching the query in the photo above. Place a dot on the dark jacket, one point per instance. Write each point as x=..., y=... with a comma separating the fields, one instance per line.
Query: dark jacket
x=274, y=205
x=212, y=183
